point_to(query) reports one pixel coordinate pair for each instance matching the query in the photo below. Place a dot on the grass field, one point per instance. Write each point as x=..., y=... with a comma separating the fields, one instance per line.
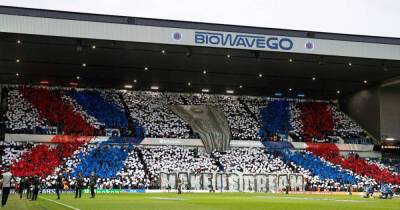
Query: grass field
x=217, y=201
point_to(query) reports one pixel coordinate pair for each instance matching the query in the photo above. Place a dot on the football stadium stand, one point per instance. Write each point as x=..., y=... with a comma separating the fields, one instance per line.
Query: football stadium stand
x=122, y=163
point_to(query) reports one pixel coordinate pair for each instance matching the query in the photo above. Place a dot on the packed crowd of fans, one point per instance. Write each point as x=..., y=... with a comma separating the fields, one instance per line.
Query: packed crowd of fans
x=67, y=167
x=356, y=164
x=295, y=122
x=360, y=166
x=317, y=159
x=344, y=126
x=316, y=120
x=322, y=170
x=42, y=159
x=151, y=109
x=250, y=160
x=134, y=175
x=72, y=162
x=152, y=112
x=392, y=167
x=116, y=166
x=243, y=126
x=105, y=159
x=275, y=119
x=11, y=152
x=132, y=167
x=89, y=112
x=320, y=121
x=176, y=159
x=254, y=104
x=110, y=114
x=112, y=97
x=21, y=116
x=81, y=111
x=55, y=112
x=76, y=112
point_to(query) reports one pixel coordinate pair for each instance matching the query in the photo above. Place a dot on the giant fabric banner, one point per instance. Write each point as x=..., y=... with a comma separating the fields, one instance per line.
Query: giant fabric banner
x=209, y=122
x=232, y=182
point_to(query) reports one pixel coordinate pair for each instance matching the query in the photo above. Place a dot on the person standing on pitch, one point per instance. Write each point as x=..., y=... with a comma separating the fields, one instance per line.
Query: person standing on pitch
x=7, y=176
x=28, y=186
x=35, y=183
x=78, y=186
x=349, y=189
x=179, y=183
x=59, y=185
x=92, y=182
x=21, y=187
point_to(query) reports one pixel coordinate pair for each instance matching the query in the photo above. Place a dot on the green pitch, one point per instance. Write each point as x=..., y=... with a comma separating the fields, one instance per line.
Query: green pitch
x=217, y=201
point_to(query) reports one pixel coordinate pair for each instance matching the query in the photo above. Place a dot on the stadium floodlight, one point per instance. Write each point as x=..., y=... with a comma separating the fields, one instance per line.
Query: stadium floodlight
x=128, y=86
x=163, y=51
x=278, y=94
x=260, y=75
x=44, y=82
x=17, y=74
x=290, y=89
x=338, y=91
x=17, y=60
x=301, y=95
x=83, y=65
x=230, y=91
x=154, y=87
x=314, y=78
x=240, y=86
x=93, y=46
x=19, y=41
x=134, y=81
x=290, y=60
x=78, y=77
x=189, y=83
x=365, y=81
x=205, y=90
x=204, y=71
x=228, y=55
x=389, y=139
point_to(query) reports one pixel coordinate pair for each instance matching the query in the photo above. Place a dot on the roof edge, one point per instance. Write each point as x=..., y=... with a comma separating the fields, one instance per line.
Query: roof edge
x=56, y=14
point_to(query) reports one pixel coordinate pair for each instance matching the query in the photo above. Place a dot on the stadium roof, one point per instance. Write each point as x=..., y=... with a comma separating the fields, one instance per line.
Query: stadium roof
x=28, y=58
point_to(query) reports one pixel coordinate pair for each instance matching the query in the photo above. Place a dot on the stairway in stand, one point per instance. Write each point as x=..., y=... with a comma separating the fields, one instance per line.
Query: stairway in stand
x=253, y=115
x=145, y=167
x=131, y=122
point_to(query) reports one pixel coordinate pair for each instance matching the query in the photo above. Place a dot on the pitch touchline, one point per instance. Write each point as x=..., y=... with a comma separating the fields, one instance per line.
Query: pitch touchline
x=316, y=199
x=71, y=207
x=171, y=199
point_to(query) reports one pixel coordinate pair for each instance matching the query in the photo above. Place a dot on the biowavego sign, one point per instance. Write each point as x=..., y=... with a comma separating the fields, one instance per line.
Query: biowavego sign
x=233, y=40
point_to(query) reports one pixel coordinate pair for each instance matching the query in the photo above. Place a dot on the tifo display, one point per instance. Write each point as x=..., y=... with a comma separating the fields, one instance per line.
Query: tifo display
x=147, y=114
x=124, y=164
